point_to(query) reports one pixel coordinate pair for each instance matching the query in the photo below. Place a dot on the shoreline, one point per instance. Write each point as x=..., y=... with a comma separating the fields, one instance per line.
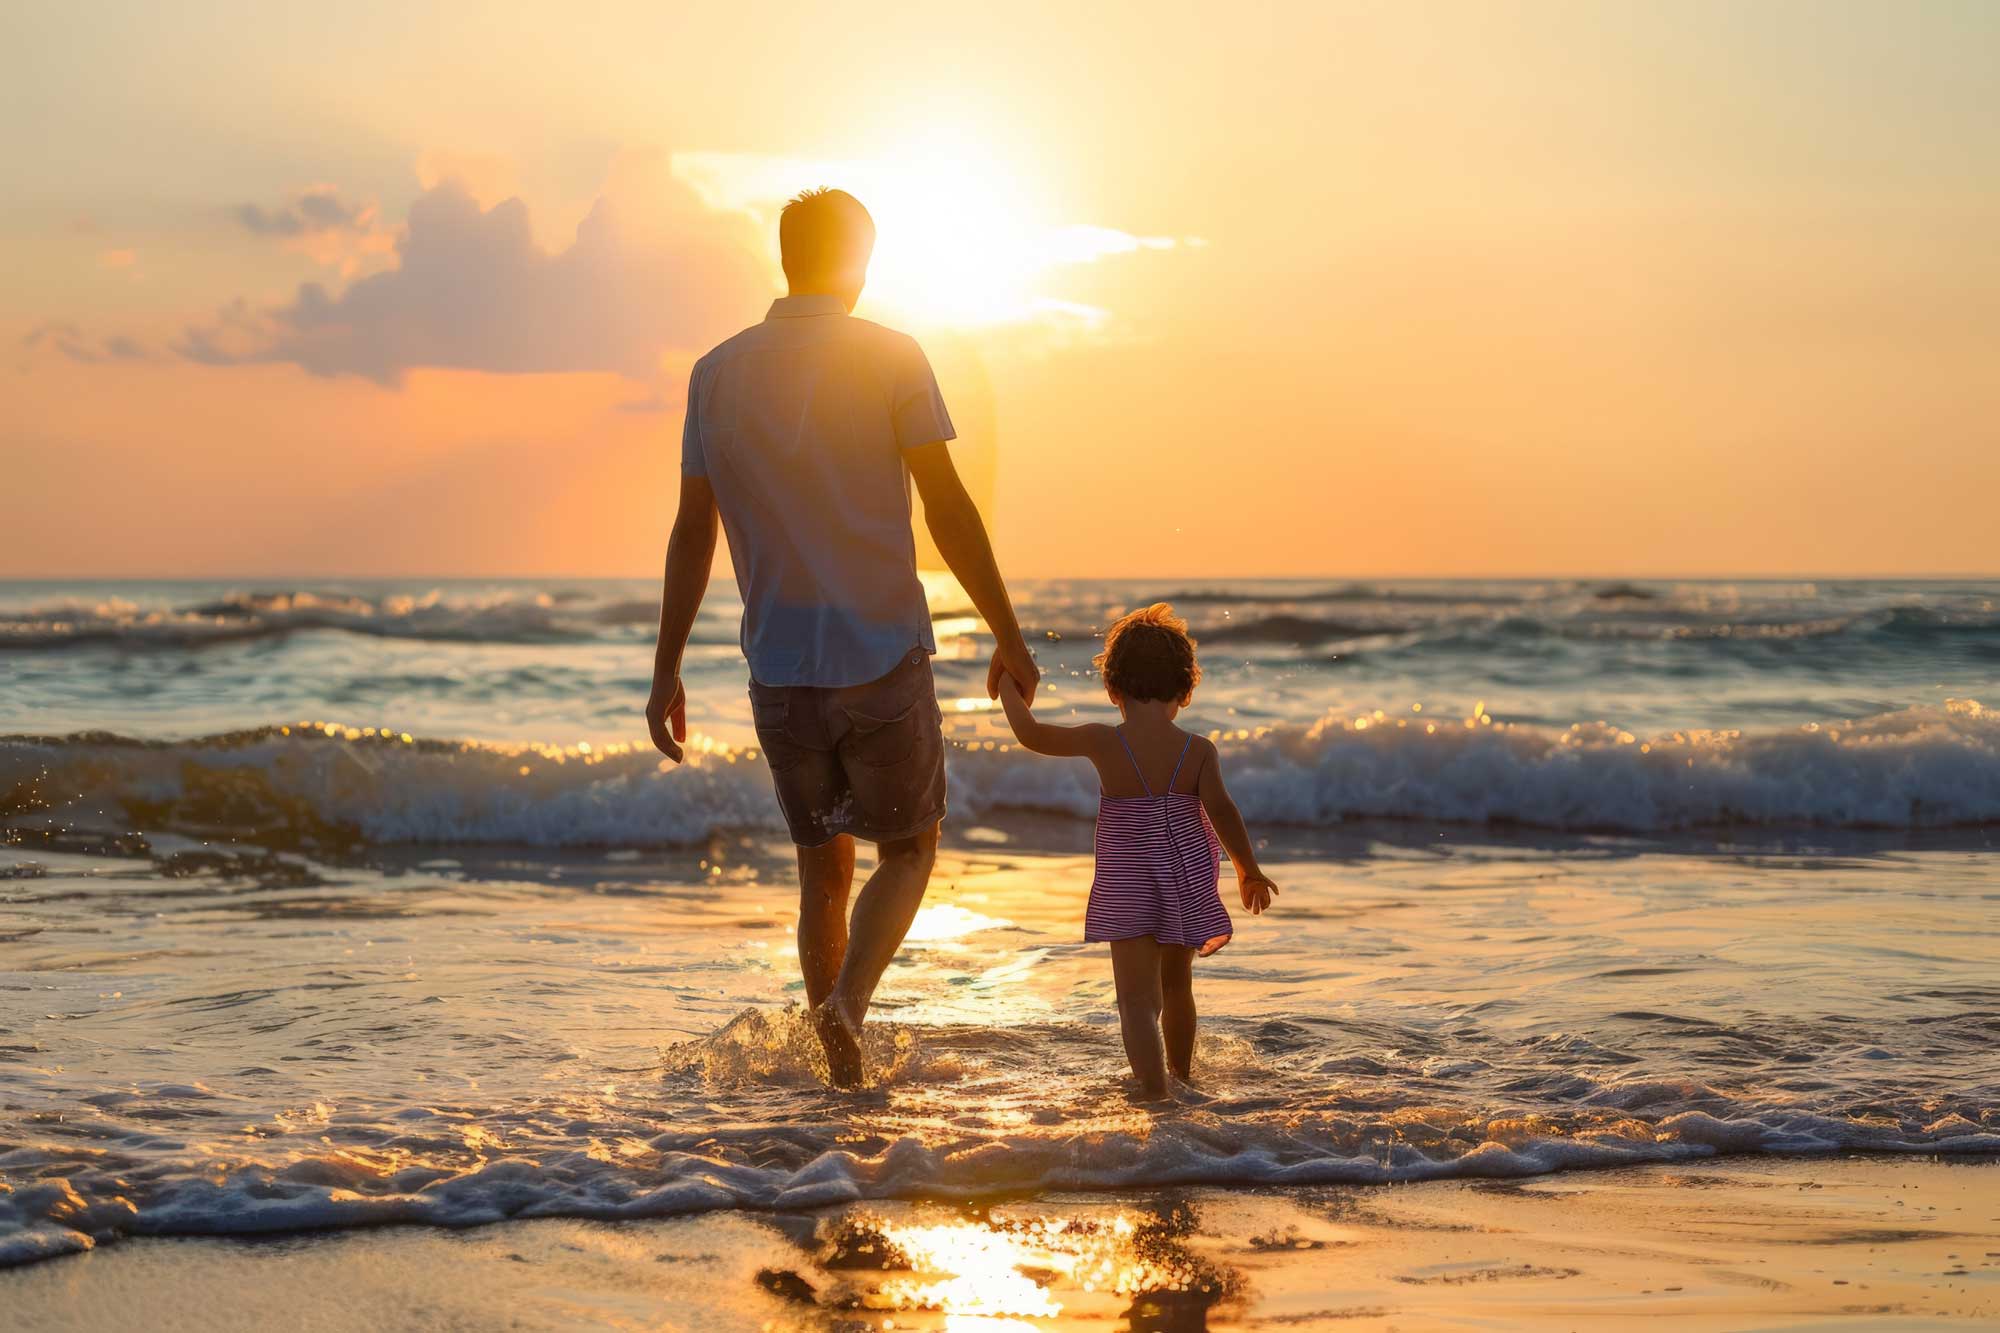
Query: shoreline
x=470, y=1035
x=1847, y=1239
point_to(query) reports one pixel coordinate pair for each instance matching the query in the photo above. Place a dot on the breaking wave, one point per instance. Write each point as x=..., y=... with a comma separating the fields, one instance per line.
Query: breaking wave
x=774, y=1139
x=323, y=784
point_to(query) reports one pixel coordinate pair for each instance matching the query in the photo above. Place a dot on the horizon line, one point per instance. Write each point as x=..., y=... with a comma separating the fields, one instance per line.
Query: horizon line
x=1928, y=576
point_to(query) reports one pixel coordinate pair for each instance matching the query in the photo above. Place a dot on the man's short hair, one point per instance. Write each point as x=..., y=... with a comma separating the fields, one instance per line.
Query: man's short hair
x=824, y=233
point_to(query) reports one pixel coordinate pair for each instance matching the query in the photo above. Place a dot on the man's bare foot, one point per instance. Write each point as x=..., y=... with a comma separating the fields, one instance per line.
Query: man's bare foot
x=843, y=1045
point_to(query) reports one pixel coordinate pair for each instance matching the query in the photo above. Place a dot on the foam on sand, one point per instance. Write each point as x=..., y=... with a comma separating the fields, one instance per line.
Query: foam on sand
x=612, y=1160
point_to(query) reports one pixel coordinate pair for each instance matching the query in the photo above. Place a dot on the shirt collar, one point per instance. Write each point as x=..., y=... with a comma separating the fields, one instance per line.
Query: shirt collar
x=795, y=307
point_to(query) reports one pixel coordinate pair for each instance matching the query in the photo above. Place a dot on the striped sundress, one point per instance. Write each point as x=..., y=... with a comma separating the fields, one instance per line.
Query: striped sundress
x=1158, y=867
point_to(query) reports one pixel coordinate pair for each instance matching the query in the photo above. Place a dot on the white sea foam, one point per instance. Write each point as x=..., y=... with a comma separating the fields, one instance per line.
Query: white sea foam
x=213, y=1041
x=445, y=1167
x=1926, y=767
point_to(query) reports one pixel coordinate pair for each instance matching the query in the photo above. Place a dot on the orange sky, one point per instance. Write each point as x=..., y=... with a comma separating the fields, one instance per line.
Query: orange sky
x=1349, y=289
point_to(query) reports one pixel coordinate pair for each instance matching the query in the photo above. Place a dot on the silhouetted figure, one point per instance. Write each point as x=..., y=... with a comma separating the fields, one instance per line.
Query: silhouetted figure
x=802, y=435
x=1163, y=821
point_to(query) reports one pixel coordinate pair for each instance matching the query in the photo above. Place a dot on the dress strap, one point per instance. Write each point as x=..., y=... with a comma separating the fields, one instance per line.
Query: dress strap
x=1178, y=762
x=1120, y=732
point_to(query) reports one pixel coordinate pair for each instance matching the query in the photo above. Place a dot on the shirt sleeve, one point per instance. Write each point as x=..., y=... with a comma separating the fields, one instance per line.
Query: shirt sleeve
x=918, y=408
x=694, y=463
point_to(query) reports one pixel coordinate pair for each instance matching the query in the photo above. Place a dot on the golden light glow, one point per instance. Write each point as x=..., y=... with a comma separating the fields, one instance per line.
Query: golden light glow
x=978, y=1274
x=1712, y=324
x=938, y=922
x=964, y=239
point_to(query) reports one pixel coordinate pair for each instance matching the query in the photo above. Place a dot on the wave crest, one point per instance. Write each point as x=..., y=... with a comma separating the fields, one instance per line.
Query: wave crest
x=325, y=785
x=502, y=616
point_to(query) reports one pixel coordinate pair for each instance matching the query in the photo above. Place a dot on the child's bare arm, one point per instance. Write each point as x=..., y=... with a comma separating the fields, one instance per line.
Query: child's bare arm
x=1251, y=881
x=1040, y=736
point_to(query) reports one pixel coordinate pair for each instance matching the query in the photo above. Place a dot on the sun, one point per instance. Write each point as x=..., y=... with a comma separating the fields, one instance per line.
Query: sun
x=960, y=241
x=964, y=239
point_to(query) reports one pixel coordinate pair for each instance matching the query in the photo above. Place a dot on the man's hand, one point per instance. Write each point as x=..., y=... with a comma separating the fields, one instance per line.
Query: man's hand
x=1257, y=891
x=1013, y=659
x=690, y=551
x=666, y=717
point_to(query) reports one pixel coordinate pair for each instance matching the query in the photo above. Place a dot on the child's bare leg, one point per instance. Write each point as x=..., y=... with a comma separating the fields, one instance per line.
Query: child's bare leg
x=1177, y=1006
x=1135, y=966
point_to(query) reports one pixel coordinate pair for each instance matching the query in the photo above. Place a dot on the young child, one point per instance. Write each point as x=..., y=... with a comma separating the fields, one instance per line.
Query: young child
x=1163, y=820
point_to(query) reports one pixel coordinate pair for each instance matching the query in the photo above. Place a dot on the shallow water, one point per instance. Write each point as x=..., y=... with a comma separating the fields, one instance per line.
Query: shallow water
x=327, y=905
x=199, y=1043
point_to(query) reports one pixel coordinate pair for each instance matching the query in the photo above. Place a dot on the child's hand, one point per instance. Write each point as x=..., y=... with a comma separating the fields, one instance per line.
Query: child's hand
x=1257, y=891
x=1010, y=690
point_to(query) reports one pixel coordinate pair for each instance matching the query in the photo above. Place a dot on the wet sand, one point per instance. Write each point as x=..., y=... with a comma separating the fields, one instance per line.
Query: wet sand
x=1746, y=1243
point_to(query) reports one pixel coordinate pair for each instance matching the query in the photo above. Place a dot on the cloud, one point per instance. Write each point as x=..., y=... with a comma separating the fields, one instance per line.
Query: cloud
x=486, y=177
x=651, y=276
x=235, y=337
x=117, y=258
x=320, y=225
x=49, y=332
x=72, y=342
x=316, y=209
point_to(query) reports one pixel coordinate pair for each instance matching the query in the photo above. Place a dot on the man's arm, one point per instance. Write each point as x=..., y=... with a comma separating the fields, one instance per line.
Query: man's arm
x=690, y=552
x=961, y=539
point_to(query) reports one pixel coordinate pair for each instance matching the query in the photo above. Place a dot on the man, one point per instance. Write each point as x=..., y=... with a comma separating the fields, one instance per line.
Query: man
x=803, y=433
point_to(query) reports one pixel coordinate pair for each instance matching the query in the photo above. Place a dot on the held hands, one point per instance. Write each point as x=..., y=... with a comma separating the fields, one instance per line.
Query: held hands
x=1257, y=890
x=1013, y=659
x=666, y=717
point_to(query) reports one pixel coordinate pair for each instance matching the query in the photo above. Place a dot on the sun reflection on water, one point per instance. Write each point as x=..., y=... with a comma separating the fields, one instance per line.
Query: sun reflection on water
x=974, y=1271
x=1014, y=1272
x=938, y=922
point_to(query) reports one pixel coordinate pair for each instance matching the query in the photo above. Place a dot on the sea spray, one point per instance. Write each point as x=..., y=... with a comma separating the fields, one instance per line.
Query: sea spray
x=318, y=784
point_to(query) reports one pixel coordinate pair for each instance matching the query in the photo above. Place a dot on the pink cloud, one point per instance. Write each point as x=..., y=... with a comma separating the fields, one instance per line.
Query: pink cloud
x=651, y=277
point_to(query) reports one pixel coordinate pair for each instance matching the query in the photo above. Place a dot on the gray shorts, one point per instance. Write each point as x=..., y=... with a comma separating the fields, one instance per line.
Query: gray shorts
x=866, y=760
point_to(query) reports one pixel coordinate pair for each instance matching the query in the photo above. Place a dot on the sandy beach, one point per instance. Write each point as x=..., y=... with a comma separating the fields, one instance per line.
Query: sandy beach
x=1839, y=1242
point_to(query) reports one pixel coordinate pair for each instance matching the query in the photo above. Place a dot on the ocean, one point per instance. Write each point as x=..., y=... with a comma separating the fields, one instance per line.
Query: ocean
x=326, y=903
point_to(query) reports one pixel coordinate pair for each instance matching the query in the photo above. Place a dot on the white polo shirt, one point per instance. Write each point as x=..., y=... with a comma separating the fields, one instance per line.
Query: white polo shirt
x=800, y=423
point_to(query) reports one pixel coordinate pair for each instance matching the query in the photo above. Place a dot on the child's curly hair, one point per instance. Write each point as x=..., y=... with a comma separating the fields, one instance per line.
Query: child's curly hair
x=1150, y=655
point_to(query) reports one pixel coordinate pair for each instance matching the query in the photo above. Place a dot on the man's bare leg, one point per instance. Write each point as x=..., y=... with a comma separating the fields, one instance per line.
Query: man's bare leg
x=826, y=875
x=882, y=916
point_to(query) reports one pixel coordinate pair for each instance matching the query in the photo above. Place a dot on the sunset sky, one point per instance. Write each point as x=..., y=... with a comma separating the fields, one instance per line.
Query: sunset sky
x=1330, y=289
